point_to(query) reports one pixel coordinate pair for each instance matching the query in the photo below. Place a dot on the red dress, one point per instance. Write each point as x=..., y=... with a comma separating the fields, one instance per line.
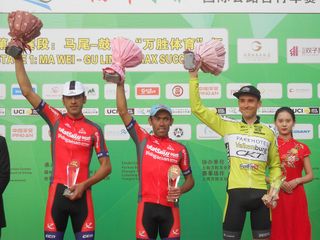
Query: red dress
x=290, y=219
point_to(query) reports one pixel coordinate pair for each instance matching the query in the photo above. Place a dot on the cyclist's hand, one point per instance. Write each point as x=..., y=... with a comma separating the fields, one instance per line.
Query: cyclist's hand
x=77, y=191
x=270, y=199
x=174, y=194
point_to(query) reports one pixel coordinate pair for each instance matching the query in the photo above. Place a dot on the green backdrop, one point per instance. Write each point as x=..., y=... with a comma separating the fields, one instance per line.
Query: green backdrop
x=115, y=199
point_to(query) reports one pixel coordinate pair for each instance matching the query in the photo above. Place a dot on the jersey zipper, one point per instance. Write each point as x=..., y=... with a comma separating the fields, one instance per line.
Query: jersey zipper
x=250, y=161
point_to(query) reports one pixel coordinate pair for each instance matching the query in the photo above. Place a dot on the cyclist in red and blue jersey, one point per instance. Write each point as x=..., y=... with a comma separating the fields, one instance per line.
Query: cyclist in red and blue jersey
x=158, y=210
x=73, y=138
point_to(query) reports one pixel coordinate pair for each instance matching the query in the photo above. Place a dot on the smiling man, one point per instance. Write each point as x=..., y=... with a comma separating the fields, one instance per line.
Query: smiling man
x=158, y=210
x=251, y=149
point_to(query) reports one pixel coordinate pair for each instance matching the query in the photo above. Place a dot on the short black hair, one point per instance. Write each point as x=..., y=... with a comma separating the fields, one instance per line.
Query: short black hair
x=285, y=109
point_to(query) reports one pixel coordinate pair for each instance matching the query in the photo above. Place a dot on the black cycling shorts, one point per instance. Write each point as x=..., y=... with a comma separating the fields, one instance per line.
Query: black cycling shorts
x=60, y=208
x=153, y=218
x=239, y=202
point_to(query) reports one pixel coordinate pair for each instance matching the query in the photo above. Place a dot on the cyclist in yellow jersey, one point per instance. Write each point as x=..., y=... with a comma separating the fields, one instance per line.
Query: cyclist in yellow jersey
x=251, y=148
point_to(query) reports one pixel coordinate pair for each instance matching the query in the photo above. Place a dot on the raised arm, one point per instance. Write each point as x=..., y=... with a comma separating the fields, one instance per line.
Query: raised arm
x=25, y=84
x=122, y=105
x=209, y=117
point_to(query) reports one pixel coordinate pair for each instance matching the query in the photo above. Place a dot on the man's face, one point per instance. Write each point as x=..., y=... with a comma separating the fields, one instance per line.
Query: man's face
x=248, y=105
x=161, y=123
x=74, y=104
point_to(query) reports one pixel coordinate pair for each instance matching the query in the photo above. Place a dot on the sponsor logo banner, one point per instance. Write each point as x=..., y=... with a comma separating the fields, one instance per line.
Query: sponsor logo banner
x=306, y=110
x=23, y=133
x=116, y=132
x=16, y=93
x=180, y=132
x=303, y=131
x=52, y=91
x=114, y=111
x=3, y=130
x=2, y=112
x=210, y=90
x=267, y=110
x=23, y=112
x=183, y=111
x=45, y=133
x=147, y=91
x=270, y=90
x=92, y=91
x=257, y=50
x=205, y=133
x=142, y=111
x=177, y=91
x=110, y=91
x=303, y=50
x=233, y=111
x=2, y=91
x=90, y=111
x=299, y=90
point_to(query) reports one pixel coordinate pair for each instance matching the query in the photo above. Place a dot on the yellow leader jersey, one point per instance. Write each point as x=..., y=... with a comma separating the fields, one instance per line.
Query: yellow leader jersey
x=250, y=148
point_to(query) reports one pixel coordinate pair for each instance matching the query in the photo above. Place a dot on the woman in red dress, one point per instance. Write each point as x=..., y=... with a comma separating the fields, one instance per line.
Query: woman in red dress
x=290, y=219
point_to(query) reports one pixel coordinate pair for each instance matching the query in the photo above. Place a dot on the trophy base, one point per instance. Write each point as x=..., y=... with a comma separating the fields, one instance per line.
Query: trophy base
x=67, y=192
x=13, y=51
x=112, y=77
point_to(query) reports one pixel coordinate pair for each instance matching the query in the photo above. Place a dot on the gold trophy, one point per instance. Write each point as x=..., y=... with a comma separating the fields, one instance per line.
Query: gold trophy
x=73, y=168
x=173, y=179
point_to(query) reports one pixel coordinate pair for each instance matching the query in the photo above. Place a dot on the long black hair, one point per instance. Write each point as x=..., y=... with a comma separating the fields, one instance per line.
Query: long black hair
x=285, y=109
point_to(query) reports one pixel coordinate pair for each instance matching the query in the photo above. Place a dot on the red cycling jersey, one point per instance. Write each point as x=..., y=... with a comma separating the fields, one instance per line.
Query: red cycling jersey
x=155, y=156
x=71, y=139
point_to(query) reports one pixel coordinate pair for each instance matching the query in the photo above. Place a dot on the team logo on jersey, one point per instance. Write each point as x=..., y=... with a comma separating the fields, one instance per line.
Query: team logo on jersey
x=51, y=226
x=89, y=225
x=250, y=166
x=67, y=125
x=82, y=131
x=156, y=142
x=170, y=148
x=176, y=231
x=142, y=233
